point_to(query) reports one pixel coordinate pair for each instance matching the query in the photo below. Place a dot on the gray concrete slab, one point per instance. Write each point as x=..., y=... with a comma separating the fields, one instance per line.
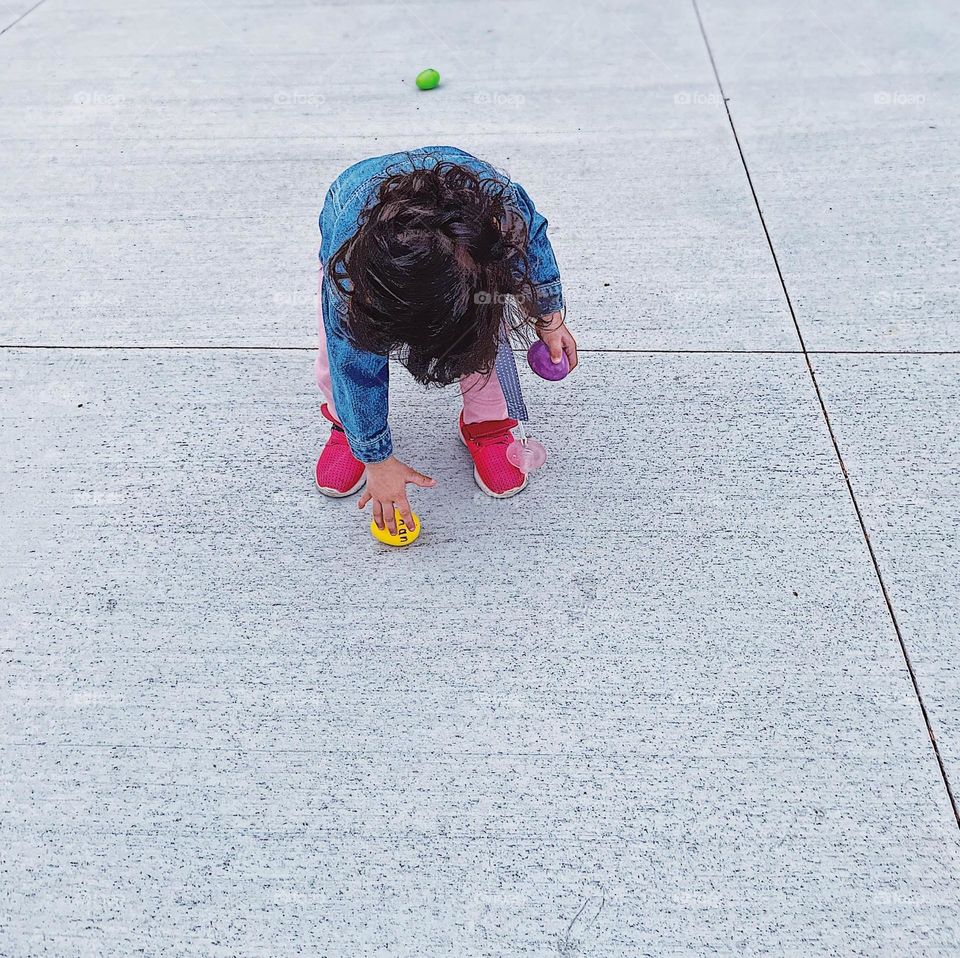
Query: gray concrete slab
x=847, y=115
x=655, y=705
x=896, y=419
x=669, y=716
x=167, y=163
x=12, y=11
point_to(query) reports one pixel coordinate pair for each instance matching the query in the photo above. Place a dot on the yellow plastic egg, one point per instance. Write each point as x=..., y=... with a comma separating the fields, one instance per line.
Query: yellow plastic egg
x=404, y=534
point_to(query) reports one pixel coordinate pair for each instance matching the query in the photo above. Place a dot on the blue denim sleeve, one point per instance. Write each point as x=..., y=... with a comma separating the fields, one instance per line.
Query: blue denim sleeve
x=360, y=388
x=543, y=264
x=361, y=380
x=328, y=219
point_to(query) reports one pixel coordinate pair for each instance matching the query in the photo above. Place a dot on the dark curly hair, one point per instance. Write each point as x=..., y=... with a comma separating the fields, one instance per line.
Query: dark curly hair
x=435, y=271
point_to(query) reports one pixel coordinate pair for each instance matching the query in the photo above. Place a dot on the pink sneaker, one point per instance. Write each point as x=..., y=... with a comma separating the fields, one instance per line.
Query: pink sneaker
x=339, y=474
x=488, y=442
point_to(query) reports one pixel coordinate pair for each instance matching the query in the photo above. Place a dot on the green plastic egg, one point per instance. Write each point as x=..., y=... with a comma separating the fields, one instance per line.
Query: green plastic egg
x=428, y=79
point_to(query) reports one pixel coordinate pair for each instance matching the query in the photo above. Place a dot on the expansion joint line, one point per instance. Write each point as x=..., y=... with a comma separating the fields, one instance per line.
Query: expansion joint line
x=833, y=437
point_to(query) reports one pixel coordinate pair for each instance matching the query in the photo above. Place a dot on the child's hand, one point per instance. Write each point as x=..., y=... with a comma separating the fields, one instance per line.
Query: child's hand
x=559, y=339
x=387, y=488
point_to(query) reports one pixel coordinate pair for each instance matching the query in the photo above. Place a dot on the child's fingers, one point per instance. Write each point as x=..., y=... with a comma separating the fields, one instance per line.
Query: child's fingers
x=403, y=505
x=378, y=513
x=419, y=479
x=390, y=517
x=364, y=499
x=570, y=348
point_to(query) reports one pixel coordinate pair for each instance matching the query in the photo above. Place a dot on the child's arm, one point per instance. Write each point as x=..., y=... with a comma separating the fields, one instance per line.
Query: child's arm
x=545, y=275
x=360, y=393
x=361, y=380
x=544, y=271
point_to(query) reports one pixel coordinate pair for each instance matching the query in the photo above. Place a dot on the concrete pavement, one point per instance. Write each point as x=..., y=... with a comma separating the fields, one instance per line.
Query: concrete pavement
x=692, y=693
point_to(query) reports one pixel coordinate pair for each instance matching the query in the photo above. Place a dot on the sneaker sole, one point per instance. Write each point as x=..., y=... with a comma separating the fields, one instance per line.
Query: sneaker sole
x=483, y=486
x=337, y=493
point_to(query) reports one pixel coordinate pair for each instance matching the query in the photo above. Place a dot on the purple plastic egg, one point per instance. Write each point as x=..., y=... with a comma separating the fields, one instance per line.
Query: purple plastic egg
x=538, y=355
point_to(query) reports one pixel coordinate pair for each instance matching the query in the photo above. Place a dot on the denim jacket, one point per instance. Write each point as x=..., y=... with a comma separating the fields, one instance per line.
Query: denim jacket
x=360, y=379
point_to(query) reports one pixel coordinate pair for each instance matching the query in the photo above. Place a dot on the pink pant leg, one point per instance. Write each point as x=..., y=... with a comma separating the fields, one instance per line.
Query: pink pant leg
x=482, y=398
x=323, y=363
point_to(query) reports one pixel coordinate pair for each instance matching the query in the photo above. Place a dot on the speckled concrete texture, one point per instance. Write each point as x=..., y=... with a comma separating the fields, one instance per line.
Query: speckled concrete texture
x=896, y=418
x=167, y=163
x=661, y=686
x=847, y=114
x=656, y=705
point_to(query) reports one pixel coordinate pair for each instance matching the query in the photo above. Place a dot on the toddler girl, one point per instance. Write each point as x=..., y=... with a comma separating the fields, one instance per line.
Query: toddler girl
x=432, y=256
